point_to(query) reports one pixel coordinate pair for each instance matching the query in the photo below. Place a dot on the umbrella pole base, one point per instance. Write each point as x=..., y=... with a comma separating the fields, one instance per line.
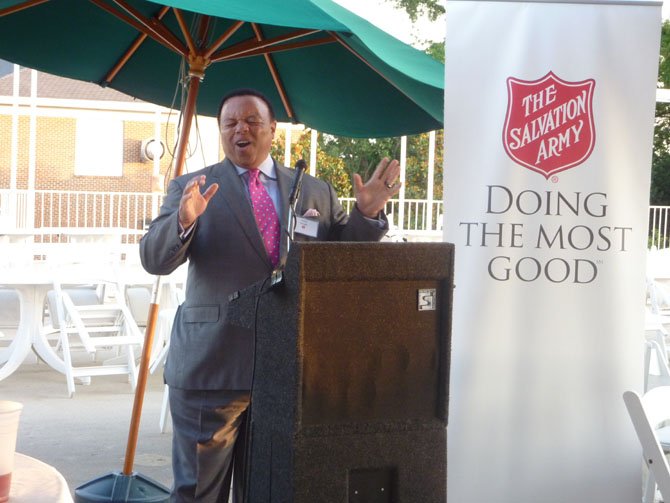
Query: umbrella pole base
x=116, y=487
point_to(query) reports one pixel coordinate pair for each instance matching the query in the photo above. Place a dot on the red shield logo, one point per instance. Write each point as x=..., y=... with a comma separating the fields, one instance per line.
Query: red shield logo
x=549, y=123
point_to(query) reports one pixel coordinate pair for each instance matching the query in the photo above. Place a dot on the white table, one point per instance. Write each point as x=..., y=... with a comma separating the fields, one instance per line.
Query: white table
x=16, y=246
x=32, y=283
x=36, y=482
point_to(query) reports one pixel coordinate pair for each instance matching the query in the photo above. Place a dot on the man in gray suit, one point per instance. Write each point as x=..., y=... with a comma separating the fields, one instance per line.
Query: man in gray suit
x=211, y=219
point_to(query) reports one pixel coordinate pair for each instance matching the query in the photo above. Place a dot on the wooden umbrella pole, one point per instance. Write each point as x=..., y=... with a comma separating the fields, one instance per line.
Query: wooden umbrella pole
x=189, y=111
x=142, y=379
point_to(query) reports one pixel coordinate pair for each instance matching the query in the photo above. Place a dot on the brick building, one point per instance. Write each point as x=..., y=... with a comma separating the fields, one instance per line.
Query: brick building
x=64, y=135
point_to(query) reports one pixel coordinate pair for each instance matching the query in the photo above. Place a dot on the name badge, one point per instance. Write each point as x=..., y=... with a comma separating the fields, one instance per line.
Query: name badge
x=307, y=226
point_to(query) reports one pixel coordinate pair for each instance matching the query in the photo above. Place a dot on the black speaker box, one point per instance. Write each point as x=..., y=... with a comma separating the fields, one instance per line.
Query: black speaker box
x=350, y=392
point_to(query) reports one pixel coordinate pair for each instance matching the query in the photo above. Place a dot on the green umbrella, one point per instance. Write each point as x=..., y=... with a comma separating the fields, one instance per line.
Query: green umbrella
x=320, y=64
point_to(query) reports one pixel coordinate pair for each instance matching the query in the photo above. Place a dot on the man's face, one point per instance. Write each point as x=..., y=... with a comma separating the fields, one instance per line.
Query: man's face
x=246, y=131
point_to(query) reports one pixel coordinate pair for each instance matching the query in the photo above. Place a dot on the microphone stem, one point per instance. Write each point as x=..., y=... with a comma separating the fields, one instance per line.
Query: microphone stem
x=293, y=202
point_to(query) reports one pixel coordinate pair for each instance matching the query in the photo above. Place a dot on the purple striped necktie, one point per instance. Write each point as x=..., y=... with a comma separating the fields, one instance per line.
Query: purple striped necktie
x=266, y=215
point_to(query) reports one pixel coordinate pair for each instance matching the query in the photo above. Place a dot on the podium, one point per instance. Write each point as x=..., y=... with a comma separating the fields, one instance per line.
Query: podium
x=350, y=388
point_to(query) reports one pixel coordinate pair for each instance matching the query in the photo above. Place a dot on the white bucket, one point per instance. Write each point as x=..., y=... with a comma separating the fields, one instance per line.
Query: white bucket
x=9, y=427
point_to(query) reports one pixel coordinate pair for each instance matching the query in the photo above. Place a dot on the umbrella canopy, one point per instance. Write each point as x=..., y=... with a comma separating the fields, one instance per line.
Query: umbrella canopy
x=319, y=64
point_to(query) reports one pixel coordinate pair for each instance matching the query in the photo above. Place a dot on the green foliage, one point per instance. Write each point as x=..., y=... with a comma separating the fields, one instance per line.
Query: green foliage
x=357, y=155
x=660, y=166
x=436, y=51
x=329, y=168
x=432, y=8
x=664, y=57
x=416, y=174
x=338, y=158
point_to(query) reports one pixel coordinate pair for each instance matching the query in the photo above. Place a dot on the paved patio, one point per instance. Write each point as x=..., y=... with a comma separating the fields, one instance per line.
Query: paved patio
x=85, y=437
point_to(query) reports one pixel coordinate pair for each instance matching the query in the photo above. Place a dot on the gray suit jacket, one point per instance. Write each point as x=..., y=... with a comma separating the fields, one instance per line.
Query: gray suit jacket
x=226, y=253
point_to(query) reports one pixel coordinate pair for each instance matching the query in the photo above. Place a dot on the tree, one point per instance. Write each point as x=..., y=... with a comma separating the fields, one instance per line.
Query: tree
x=331, y=168
x=338, y=158
x=436, y=50
x=431, y=8
x=664, y=60
x=660, y=167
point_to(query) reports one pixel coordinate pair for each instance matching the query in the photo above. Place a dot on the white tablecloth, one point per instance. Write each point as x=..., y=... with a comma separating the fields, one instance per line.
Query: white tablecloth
x=36, y=482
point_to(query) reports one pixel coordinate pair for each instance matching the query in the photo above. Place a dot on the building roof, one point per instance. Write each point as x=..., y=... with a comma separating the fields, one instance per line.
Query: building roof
x=52, y=86
x=5, y=67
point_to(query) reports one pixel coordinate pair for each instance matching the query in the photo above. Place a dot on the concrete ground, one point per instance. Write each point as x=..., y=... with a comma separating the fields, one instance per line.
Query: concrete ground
x=85, y=437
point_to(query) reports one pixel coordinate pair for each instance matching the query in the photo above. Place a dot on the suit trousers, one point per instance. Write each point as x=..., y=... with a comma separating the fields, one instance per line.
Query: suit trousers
x=208, y=444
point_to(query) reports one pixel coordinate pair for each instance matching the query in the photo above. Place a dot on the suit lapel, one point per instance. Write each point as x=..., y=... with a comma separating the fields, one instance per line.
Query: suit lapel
x=233, y=192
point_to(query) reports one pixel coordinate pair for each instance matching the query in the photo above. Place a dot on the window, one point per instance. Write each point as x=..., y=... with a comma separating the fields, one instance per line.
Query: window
x=99, y=147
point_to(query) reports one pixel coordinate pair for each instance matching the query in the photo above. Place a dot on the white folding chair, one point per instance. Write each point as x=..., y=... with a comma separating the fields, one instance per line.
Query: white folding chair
x=659, y=298
x=138, y=299
x=94, y=325
x=656, y=371
x=654, y=329
x=10, y=315
x=163, y=330
x=650, y=415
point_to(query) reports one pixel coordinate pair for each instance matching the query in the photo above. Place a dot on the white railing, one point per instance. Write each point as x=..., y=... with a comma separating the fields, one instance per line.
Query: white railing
x=659, y=227
x=23, y=209
x=134, y=210
x=421, y=218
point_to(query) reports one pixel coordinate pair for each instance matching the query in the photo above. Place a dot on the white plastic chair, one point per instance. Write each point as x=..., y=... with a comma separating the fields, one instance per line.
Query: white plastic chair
x=163, y=330
x=656, y=371
x=92, y=325
x=655, y=330
x=138, y=299
x=659, y=298
x=650, y=415
x=10, y=314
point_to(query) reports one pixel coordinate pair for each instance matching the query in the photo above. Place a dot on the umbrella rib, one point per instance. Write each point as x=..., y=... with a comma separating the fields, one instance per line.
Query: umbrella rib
x=20, y=7
x=275, y=76
x=143, y=26
x=111, y=75
x=279, y=48
x=222, y=39
x=154, y=27
x=258, y=43
x=184, y=30
x=197, y=63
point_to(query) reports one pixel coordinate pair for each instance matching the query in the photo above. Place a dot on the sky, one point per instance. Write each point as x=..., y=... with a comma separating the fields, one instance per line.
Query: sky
x=396, y=22
x=382, y=14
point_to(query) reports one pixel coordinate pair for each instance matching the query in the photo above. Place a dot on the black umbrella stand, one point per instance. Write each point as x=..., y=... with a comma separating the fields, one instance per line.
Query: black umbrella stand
x=129, y=486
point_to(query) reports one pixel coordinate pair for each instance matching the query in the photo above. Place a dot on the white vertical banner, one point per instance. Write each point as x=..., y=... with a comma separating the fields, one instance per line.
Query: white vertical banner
x=549, y=113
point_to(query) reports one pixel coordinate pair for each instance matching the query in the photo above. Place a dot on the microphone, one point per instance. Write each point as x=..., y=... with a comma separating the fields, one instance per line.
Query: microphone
x=300, y=168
